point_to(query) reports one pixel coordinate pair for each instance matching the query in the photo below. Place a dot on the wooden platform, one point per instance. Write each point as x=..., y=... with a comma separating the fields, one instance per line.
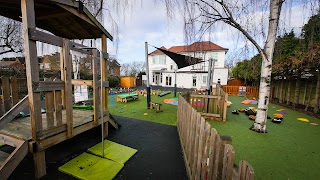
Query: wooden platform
x=21, y=128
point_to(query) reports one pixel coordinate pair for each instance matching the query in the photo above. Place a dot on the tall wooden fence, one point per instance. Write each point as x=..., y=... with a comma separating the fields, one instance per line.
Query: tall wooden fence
x=207, y=155
x=212, y=106
x=9, y=95
x=241, y=90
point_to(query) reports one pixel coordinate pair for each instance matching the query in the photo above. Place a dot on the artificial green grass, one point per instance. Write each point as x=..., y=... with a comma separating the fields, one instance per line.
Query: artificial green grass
x=91, y=167
x=113, y=151
x=290, y=150
x=137, y=108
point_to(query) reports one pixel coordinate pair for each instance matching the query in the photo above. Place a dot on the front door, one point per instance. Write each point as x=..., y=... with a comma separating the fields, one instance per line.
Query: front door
x=157, y=79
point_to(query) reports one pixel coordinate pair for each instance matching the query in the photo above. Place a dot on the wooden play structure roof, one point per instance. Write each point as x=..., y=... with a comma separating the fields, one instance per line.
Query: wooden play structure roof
x=64, y=18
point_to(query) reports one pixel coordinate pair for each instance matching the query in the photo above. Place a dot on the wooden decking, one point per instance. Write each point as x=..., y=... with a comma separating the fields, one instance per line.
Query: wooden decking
x=21, y=128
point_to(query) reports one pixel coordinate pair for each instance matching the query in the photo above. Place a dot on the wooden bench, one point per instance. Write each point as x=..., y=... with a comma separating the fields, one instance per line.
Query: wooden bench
x=157, y=105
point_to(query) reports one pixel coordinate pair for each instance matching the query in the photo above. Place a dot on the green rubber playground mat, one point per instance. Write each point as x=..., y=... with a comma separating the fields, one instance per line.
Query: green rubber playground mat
x=113, y=151
x=87, y=166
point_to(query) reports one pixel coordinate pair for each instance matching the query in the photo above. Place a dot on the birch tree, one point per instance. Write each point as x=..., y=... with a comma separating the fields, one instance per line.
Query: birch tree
x=201, y=15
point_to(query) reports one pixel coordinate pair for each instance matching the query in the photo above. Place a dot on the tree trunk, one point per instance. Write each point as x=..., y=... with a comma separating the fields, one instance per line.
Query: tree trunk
x=289, y=93
x=317, y=97
x=297, y=93
x=281, y=92
x=264, y=89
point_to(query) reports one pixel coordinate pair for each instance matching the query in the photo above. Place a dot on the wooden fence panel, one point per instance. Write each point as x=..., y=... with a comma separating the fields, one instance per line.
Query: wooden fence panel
x=212, y=151
x=228, y=159
x=49, y=101
x=200, y=148
x=245, y=171
x=207, y=154
x=195, y=149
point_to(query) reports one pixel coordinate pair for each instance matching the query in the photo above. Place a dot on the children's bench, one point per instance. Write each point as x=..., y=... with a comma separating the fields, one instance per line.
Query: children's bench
x=157, y=105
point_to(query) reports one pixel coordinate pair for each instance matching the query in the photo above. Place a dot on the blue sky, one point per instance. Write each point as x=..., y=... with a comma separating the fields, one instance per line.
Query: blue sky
x=148, y=22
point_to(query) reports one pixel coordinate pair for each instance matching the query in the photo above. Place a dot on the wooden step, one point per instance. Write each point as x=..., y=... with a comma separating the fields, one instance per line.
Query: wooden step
x=3, y=158
x=8, y=162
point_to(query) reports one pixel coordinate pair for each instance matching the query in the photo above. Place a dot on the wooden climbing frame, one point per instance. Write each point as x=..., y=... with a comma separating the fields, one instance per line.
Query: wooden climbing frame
x=66, y=20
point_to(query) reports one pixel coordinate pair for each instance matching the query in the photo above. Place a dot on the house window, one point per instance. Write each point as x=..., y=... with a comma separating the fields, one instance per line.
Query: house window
x=204, y=79
x=161, y=78
x=168, y=80
x=194, y=81
x=171, y=67
x=160, y=59
x=153, y=78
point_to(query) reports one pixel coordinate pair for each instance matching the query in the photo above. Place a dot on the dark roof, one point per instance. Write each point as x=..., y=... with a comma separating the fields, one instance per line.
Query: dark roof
x=64, y=18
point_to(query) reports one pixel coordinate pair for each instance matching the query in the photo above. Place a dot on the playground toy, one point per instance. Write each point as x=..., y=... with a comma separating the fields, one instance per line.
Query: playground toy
x=157, y=105
x=164, y=93
x=277, y=121
x=303, y=119
x=126, y=97
x=252, y=117
x=248, y=101
x=172, y=101
x=235, y=112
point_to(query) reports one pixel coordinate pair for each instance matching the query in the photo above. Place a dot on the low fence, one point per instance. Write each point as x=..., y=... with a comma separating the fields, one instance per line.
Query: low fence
x=212, y=106
x=241, y=90
x=9, y=95
x=207, y=155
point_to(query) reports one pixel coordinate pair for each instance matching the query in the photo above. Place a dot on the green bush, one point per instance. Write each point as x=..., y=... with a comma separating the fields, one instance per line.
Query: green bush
x=114, y=81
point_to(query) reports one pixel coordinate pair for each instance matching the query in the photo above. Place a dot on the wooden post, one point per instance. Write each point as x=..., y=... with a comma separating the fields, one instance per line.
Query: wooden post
x=6, y=93
x=104, y=77
x=32, y=69
x=95, y=86
x=68, y=85
x=62, y=77
x=14, y=90
x=224, y=116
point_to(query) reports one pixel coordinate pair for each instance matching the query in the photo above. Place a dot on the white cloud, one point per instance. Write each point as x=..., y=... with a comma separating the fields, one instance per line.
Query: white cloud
x=150, y=23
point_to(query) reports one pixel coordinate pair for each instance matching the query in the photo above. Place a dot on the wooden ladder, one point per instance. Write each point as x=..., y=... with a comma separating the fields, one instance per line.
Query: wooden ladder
x=8, y=162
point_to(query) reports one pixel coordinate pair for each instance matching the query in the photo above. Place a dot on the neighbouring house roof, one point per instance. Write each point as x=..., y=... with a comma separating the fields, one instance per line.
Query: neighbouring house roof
x=10, y=64
x=194, y=47
x=157, y=51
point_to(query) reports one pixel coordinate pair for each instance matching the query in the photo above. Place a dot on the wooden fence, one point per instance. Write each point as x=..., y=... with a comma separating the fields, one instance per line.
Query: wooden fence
x=241, y=90
x=207, y=155
x=212, y=106
x=9, y=95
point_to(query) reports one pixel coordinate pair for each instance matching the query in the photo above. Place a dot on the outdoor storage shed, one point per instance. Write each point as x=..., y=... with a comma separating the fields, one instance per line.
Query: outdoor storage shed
x=128, y=82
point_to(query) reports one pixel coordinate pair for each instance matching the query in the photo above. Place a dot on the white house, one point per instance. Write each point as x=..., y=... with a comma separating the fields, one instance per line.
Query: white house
x=162, y=67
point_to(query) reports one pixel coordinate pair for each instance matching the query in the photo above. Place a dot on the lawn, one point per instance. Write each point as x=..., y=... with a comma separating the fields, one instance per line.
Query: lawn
x=138, y=109
x=290, y=150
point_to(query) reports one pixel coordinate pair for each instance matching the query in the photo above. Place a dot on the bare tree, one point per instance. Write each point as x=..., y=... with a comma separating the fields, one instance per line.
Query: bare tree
x=201, y=15
x=132, y=68
x=10, y=36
